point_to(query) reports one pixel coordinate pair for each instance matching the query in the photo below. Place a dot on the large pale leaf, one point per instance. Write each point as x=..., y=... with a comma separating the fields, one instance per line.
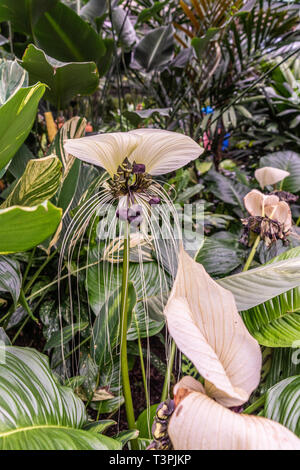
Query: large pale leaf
x=258, y=285
x=283, y=403
x=155, y=49
x=203, y=320
x=62, y=34
x=199, y=423
x=36, y=413
x=10, y=277
x=22, y=228
x=12, y=78
x=16, y=118
x=64, y=80
x=39, y=182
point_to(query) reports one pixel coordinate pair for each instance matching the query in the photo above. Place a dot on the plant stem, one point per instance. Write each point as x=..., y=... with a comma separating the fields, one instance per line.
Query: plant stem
x=124, y=359
x=254, y=406
x=169, y=372
x=24, y=303
x=143, y=373
x=38, y=271
x=252, y=253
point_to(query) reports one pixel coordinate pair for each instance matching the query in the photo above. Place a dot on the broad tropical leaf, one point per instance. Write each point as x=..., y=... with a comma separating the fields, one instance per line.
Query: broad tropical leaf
x=36, y=413
x=64, y=80
x=22, y=228
x=283, y=403
x=155, y=49
x=12, y=78
x=288, y=161
x=10, y=277
x=39, y=182
x=16, y=118
x=23, y=14
x=258, y=285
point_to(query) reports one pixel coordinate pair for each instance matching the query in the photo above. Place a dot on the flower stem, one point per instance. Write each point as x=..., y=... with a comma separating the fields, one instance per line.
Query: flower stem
x=252, y=253
x=124, y=317
x=256, y=405
x=164, y=394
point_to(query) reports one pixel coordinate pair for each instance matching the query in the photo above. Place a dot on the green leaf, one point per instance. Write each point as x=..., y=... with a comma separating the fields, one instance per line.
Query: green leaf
x=201, y=44
x=283, y=403
x=10, y=277
x=65, y=335
x=100, y=426
x=145, y=421
x=22, y=228
x=227, y=190
x=65, y=80
x=137, y=117
x=16, y=119
x=62, y=34
x=219, y=257
x=23, y=14
x=12, y=78
x=106, y=328
x=124, y=436
x=155, y=49
x=36, y=413
x=289, y=161
x=258, y=285
x=39, y=182
x=125, y=31
x=285, y=362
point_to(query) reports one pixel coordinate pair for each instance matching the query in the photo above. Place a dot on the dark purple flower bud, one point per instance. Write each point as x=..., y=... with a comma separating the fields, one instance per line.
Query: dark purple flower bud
x=122, y=214
x=154, y=200
x=138, y=168
x=135, y=214
x=237, y=409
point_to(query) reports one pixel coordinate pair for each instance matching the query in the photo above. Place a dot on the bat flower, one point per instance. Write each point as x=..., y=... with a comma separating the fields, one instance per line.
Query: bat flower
x=203, y=320
x=270, y=217
x=268, y=175
x=131, y=159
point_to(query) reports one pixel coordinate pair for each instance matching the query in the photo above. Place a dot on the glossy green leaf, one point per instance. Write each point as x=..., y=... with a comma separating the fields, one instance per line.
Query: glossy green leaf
x=10, y=277
x=62, y=34
x=65, y=80
x=155, y=49
x=23, y=14
x=36, y=413
x=16, y=119
x=106, y=328
x=12, y=78
x=22, y=228
x=65, y=335
x=258, y=285
x=39, y=182
x=285, y=362
x=100, y=426
x=285, y=160
x=219, y=257
x=201, y=44
x=124, y=436
x=283, y=403
x=145, y=421
x=227, y=190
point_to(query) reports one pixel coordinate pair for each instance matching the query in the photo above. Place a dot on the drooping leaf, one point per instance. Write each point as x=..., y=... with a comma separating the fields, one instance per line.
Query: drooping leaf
x=39, y=182
x=93, y=9
x=22, y=228
x=124, y=29
x=63, y=35
x=136, y=117
x=283, y=403
x=258, y=285
x=65, y=80
x=36, y=413
x=12, y=78
x=155, y=49
x=16, y=119
x=10, y=277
